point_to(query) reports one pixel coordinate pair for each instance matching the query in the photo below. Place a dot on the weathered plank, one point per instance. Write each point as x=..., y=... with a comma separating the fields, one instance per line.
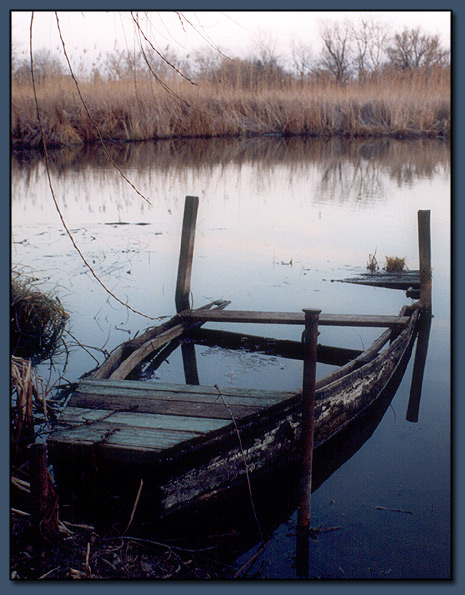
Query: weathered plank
x=369, y=320
x=174, y=405
x=113, y=386
x=172, y=399
x=156, y=339
x=124, y=350
x=154, y=421
x=145, y=350
x=125, y=439
x=326, y=354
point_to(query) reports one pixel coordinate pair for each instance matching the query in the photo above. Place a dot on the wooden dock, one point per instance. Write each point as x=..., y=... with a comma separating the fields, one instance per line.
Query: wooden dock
x=405, y=280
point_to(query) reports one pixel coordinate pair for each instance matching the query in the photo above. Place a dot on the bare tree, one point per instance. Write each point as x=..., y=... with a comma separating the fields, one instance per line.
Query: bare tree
x=413, y=49
x=336, y=57
x=45, y=66
x=265, y=48
x=302, y=58
x=370, y=39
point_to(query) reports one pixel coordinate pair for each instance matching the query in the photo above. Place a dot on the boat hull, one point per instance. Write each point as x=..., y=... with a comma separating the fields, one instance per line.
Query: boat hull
x=258, y=444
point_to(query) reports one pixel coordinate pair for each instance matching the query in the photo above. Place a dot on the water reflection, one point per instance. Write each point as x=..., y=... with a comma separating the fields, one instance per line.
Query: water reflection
x=325, y=205
x=424, y=329
x=343, y=170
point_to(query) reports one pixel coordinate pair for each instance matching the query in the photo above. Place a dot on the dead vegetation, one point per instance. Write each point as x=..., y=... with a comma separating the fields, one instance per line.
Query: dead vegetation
x=37, y=319
x=391, y=105
x=80, y=552
x=394, y=264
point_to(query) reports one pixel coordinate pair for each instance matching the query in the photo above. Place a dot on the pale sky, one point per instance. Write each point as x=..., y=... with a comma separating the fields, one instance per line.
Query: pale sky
x=231, y=31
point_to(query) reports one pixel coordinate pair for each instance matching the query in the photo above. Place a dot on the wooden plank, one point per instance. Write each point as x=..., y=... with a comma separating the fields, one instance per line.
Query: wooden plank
x=125, y=349
x=178, y=423
x=117, y=357
x=145, y=350
x=125, y=439
x=326, y=354
x=402, y=280
x=175, y=405
x=369, y=320
x=123, y=367
x=105, y=386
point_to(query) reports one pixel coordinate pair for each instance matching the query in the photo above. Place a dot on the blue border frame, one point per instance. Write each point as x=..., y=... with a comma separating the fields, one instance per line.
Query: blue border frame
x=458, y=200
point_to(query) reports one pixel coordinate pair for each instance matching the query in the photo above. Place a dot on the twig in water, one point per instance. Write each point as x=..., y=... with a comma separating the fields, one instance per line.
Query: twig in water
x=250, y=561
x=393, y=509
x=245, y=463
x=136, y=502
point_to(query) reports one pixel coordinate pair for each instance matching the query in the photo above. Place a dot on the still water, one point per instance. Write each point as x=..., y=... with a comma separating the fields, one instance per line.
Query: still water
x=280, y=223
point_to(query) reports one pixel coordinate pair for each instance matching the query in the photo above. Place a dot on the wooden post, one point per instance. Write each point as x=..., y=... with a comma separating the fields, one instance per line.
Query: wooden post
x=44, y=519
x=309, y=338
x=190, y=363
x=183, y=285
x=424, y=241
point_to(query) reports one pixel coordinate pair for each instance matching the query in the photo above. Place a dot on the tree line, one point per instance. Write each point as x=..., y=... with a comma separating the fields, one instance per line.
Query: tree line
x=349, y=51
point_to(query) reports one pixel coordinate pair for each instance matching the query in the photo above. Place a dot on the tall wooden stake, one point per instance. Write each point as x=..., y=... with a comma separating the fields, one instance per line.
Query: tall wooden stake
x=310, y=337
x=183, y=284
x=424, y=242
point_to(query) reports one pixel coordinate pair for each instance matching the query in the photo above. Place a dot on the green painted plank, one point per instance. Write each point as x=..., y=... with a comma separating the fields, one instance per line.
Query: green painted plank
x=134, y=396
x=124, y=438
x=200, y=425
x=94, y=386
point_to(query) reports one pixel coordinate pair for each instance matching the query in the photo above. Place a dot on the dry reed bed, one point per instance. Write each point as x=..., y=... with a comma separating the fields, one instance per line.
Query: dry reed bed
x=133, y=111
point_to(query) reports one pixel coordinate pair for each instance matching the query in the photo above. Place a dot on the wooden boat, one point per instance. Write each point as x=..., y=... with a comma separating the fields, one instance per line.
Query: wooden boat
x=174, y=446
x=187, y=444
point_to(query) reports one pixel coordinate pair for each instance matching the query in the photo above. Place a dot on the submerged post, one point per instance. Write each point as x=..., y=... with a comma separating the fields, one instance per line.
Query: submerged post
x=183, y=284
x=424, y=328
x=424, y=243
x=309, y=338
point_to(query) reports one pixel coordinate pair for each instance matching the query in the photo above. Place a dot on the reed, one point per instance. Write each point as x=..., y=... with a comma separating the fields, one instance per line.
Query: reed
x=391, y=104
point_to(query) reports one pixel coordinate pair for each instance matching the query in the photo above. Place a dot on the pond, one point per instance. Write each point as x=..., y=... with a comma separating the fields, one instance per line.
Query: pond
x=280, y=223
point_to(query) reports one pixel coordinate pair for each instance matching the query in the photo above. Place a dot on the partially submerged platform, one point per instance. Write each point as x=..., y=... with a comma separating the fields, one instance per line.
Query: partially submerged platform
x=139, y=419
x=405, y=280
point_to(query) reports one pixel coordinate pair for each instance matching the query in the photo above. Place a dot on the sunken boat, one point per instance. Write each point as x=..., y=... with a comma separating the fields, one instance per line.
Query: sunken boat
x=182, y=446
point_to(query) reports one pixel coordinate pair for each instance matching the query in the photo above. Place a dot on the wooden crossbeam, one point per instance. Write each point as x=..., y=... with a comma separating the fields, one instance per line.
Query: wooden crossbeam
x=365, y=320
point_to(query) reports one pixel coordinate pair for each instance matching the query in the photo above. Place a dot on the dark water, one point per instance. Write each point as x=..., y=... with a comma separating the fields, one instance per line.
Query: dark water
x=279, y=223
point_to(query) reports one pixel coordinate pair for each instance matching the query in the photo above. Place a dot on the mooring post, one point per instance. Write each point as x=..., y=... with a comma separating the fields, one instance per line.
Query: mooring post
x=183, y=284
x=309, y=338
x=424, y=242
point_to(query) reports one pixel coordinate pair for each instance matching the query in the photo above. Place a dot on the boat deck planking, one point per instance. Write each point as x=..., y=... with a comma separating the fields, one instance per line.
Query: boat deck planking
x=145, y=416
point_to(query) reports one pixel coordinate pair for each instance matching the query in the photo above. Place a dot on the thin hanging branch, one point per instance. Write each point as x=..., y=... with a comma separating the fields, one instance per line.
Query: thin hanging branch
x=182, y=16
x=90, y=116
x=39, y=119
x=159, y=53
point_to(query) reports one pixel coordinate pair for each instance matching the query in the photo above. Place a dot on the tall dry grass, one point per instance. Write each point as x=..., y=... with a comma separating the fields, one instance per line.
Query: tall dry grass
x=391, y=104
